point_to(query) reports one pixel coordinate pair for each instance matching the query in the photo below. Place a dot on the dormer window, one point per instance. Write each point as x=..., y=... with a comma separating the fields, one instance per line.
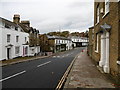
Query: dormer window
x=98, y=14
x=107, y=2
x=16, y=28
x=7, y=26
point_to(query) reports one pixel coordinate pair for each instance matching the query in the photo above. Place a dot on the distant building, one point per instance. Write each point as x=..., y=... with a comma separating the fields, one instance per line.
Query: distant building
x=13, y=40
x=106, y=44
x=54, y=43
x=79, y=41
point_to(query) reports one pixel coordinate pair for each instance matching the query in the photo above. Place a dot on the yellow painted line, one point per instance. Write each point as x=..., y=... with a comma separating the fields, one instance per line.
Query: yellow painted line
x=60, y=84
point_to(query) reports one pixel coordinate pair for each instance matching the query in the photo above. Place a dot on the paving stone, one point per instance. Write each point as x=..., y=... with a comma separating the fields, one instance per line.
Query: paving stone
x=84, y=74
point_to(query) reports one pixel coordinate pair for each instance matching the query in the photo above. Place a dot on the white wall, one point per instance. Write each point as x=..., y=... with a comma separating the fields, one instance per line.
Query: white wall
x=13, y=34
x=0, y=44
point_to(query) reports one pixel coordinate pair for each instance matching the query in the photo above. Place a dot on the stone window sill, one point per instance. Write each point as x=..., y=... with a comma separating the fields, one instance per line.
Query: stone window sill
x=96, y=51
x=96, y=23
x=105, y=15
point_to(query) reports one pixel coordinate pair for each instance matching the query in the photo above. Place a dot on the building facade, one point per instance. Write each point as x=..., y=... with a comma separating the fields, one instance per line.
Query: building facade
x=34, y=45
x=106, y=47
x=54, y=43
x=13, y=40
x=91, y=41
x=79, y=41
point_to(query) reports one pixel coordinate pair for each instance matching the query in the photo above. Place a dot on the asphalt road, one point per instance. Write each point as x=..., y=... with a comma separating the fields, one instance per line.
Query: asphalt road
x=41, y=73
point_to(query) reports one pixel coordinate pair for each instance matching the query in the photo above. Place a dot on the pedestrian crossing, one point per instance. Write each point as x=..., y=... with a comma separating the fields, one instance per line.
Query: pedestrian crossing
x=59, y=56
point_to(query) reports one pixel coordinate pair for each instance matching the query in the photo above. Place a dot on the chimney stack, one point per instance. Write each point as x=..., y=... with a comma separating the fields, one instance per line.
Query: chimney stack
x=26, y=23
x=16, y=18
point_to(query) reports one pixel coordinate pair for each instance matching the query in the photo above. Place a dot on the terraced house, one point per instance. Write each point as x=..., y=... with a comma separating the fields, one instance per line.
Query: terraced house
x=13, y=40
x=106, y=43
x=34, y=45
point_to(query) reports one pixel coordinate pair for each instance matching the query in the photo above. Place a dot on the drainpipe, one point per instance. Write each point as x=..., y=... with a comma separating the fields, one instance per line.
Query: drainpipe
x=106, y=67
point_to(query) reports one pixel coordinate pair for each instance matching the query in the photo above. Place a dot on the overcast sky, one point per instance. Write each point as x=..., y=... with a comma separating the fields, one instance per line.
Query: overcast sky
x=51, y=15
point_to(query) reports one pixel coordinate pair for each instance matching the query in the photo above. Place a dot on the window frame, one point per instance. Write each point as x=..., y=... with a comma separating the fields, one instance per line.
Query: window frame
x=17, y=39
x=97, y=43
x=98, y=14
x=17, y=50
x=107, y=6
x=8, y=38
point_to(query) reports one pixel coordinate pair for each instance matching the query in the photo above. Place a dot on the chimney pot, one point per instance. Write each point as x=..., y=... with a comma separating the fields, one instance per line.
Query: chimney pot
x=16, y=18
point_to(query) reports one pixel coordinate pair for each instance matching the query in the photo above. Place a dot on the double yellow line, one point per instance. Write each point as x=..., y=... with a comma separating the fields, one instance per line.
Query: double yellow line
x=61, y=82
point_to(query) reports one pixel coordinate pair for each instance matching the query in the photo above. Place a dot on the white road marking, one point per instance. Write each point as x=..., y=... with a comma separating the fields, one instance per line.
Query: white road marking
x=12, y=76
x=54, y=56
x=43, y=64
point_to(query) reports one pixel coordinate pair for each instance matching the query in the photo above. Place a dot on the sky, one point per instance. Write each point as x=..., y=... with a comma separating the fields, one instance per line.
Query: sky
x=51, y=15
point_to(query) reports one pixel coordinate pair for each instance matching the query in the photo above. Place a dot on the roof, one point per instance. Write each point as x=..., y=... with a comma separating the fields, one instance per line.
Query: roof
x=76, y=37
x=56, y=37
x=25, y=28
x=9, y=22
x=28, y=29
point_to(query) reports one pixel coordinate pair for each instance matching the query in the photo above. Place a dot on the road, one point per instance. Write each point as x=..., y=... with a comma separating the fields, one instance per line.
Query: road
x=41, y=73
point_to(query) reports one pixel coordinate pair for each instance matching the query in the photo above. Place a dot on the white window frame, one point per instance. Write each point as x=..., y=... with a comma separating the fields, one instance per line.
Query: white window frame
x=17, y=39
x=107, y=4
x=97, y=45
x=98, y=14
x=8, y=38
x=17, y=50
x=25, y=39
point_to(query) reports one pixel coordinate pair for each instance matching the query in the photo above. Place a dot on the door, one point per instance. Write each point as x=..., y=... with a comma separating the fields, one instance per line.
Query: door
x=8, y=53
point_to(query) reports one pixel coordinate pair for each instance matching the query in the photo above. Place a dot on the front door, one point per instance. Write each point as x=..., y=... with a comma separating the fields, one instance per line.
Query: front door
x=8, y=53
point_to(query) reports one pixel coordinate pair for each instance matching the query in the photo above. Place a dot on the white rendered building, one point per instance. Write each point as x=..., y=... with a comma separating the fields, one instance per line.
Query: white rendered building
x=79, y=41
x=13, y=40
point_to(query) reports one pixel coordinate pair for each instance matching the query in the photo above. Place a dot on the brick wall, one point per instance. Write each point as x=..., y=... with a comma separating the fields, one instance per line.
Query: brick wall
x=112, y=18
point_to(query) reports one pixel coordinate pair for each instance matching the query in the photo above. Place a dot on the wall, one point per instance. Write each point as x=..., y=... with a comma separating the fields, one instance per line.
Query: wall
x=0, y=43
x=112, y=18
x=13, y=34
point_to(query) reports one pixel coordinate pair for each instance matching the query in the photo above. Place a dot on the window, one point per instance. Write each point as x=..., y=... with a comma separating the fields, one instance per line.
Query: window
x=107, y=2
x=7, y=26
x=98, y=14
x=16, y=50
x=16, y=28
x=26, y=50
x=25, y=39
x=96, y=43
x=17, y=38
x=8, y=38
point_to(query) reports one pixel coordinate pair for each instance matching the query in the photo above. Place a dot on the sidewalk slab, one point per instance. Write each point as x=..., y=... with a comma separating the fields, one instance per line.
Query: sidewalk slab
x=84, y=74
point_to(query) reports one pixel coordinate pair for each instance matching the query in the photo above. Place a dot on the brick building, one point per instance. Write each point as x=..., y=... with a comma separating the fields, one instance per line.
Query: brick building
x=91, y=41
x=106, y=47
x=54, y=43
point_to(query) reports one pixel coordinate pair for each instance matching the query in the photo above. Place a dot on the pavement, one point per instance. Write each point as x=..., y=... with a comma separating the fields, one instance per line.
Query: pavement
x=85, y=74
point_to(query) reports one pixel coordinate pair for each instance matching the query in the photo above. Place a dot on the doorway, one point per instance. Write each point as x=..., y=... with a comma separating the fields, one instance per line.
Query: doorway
x=8, y=53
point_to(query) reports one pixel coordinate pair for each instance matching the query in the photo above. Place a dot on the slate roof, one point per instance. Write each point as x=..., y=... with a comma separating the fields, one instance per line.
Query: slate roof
x=10, y=23
x=56, y=37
